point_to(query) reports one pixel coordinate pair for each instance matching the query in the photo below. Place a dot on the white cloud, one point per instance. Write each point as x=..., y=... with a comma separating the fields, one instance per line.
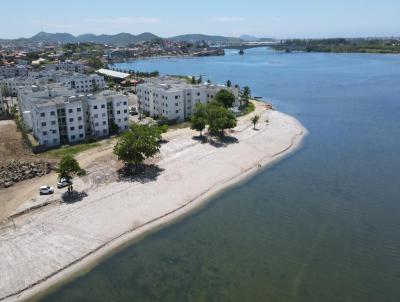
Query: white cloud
x=226, y=19
x=125, y=20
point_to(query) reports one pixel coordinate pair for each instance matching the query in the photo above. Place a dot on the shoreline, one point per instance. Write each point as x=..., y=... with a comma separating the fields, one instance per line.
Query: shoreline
x=137, y=232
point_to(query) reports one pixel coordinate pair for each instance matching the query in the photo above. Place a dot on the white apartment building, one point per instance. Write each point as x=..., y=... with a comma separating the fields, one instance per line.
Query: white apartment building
x=80, y=82
x=175, y=99
x=13, y=71
x=68, y=65
x=57, y=115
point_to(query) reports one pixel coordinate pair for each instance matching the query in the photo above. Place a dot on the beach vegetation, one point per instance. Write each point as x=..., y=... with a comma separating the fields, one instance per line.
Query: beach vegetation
x=255, y=120
x=220, y=118
x=138, y=144
x=225, y=97
x=68, y=168
x=199, y=118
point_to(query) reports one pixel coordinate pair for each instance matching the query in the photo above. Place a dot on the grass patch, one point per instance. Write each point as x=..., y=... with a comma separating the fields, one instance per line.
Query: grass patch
x=70, y=150
x=249, y=108
x=180, y=125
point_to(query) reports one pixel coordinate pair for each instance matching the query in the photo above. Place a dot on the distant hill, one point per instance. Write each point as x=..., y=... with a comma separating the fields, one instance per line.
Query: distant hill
x=201, y=37
x=117, y=39
x=122, y=38
x=53, y=38
x=248, y=38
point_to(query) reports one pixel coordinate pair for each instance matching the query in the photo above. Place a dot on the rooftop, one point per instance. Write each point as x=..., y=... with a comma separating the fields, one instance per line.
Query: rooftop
x=113, y=74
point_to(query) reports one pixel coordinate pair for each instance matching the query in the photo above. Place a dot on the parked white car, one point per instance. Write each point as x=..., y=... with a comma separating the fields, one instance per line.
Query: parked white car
x=63, y=183
x=43, y=190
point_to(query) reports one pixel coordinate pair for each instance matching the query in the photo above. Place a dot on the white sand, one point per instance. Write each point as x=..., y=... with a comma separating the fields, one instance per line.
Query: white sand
x=53, y=243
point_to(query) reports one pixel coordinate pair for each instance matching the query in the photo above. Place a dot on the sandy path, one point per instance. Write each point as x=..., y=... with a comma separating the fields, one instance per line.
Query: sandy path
x=58, y=240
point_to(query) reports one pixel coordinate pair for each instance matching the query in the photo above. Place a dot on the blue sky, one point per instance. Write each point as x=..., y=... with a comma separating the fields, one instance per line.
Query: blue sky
x=264, y=18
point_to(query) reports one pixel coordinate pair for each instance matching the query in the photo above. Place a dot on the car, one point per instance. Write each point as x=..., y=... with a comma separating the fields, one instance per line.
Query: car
x=63, y=183
x=44, y=190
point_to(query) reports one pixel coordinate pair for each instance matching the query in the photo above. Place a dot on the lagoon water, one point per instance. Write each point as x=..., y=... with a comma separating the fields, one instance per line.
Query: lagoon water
x=322, y=225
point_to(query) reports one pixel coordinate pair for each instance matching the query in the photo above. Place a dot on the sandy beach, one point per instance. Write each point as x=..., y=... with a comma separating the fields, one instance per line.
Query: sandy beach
x=49, y=245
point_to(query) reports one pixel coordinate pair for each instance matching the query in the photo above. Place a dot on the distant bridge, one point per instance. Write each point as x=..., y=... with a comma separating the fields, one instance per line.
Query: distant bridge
x=248, y=45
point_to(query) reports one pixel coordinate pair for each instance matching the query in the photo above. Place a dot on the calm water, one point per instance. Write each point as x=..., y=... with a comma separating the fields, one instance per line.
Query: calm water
x=322, y=225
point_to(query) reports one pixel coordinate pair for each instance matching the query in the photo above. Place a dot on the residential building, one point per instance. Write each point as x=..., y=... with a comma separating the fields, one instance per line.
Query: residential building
x=68, y=65
x=80, y=82
x=10, y=71
x=58, y=115
x=175, y=99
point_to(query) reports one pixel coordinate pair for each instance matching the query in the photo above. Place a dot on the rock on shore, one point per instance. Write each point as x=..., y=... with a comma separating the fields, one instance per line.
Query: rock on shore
x=16, y=171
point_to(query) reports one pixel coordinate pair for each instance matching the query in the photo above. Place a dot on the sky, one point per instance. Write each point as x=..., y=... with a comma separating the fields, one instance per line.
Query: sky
x=166, y=18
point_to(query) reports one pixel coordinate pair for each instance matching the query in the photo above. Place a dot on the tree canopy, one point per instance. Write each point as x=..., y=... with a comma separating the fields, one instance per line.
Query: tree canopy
x=199, y=118
x=68, y=168
x=225, y=97
x=219, y=118
x=138, y=144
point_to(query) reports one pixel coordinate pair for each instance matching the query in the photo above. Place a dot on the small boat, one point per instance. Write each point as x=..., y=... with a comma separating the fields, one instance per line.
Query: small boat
x=241, y=52
x=258, y=97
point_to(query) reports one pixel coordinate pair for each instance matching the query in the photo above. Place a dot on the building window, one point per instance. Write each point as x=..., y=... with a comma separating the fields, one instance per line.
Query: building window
x=103, y=115
x=103, y=106
x=44, y=132
x=52, y=113
x=72, y=128
x=80, y=127
x=79, y=118
x=125, y=119
x=70, y=110
x=125, y=104
x=42, y=114
x=54, y=131
x=118, y=112
x=71, y=120
x=96, y=124
x=177, y=111
x=176, y=104
x=125, y=111
x=72, y=137
x=176, y=97
x=95, y=107
x=78, y=109
x=43, y=124
x=104, y=131
x=81, y=135
x=96, y=116
x=53, y=122
x=104, y=123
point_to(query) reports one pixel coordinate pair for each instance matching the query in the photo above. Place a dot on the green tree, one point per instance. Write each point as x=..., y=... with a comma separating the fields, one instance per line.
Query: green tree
x=255, y=120
x=193, y=80
x=245, y=95
x=95, y=63
x=219, y=118
x=68, y=168
x=229, y=84
x=225, y=97
x=200, y=80
x=138, y=144
x=199, y=118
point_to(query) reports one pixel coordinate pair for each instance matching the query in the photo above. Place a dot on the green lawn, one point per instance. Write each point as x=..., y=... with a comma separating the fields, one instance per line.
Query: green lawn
x=249, y=108
x=70, y=150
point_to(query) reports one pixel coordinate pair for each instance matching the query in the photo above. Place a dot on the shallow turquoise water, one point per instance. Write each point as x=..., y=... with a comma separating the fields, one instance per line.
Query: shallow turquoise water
x=322, y=225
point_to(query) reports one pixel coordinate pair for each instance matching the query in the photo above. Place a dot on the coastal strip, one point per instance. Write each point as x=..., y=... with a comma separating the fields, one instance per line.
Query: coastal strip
x=57, y=242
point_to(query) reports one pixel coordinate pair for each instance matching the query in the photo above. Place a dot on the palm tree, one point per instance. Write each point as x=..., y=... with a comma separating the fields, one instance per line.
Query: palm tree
x=255, y=120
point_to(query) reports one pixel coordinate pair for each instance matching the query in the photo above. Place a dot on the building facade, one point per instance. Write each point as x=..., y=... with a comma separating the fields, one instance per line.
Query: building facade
x=13, y=71
x=57, y=115
x=174, y=99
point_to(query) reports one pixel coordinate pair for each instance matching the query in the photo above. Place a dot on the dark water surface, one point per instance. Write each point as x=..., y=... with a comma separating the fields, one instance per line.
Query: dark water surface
x=322, y=225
